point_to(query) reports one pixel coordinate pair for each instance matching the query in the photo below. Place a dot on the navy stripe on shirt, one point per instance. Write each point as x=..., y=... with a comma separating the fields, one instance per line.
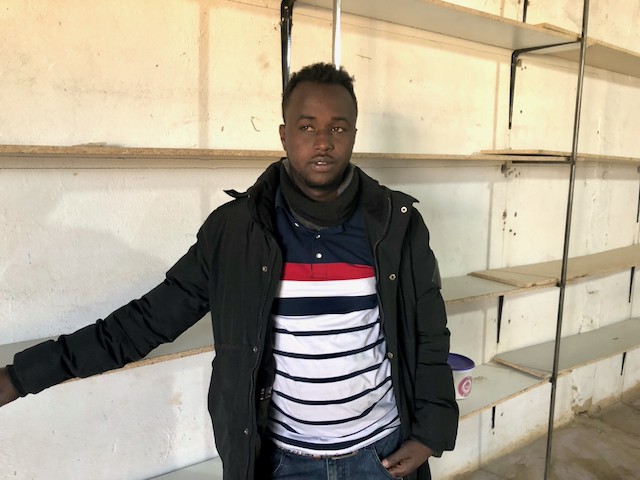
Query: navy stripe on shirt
x=302, y=306
x=324, y=356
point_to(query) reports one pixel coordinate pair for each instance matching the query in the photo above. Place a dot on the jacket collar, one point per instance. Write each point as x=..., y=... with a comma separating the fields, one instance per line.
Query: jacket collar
x=261, y=196
x=376, y=199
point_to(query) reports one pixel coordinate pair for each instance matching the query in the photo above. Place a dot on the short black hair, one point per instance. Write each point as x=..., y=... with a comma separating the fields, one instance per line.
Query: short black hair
x=325, y=73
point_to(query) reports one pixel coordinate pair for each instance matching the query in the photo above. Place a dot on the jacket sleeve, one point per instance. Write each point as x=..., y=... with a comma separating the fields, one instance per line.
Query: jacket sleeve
x=436, y=413
x=126, y=335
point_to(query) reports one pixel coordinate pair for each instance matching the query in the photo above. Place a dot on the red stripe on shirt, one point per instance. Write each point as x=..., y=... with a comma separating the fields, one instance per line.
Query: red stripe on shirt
x=325, y=271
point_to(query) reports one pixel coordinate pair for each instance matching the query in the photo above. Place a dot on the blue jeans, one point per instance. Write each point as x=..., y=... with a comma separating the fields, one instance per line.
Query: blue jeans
x=364, y=464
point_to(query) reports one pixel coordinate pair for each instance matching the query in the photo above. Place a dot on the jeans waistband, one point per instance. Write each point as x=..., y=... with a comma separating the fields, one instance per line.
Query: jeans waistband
x=319, y=457
x=334, y=457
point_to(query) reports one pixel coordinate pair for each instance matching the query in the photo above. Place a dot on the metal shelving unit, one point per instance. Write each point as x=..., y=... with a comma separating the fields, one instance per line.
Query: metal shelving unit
x=521, y=38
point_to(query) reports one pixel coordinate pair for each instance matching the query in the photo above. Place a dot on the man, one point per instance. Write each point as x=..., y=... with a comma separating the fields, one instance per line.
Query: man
x=329, y=327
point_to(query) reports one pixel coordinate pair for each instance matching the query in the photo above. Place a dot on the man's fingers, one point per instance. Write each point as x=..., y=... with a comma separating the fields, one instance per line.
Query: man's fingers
x=390, y=461
x=407, y=458
x=396, y=457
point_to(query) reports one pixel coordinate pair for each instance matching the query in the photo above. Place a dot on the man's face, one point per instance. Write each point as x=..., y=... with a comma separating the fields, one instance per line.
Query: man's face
x=318, y=136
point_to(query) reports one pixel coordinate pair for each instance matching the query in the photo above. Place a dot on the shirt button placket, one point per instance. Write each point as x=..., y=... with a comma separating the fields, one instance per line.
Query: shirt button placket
x=318, y=254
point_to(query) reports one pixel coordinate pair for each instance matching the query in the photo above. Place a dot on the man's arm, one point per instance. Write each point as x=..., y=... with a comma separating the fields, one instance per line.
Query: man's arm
x=8, y=392
x=435, y=417
x=124, y=336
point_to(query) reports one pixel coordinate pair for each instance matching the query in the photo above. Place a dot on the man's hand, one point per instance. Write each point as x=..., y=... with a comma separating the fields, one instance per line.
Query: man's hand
x=407, y=458
x=8, y=392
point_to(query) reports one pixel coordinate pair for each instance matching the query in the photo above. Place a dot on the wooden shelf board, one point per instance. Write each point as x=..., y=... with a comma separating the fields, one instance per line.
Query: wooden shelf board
x=548, y=273
x=494, y=384
x=9, y=350
x=575, y=350
x=110, y=151
x=207, y=470
x=514, y=277
x=477, y=26
x=455, y=21
x=554, y=155
x=98, y=156
x=430, y=157
x=197, y=339
x=408, y=160
x=467, y=288
x=608, y=57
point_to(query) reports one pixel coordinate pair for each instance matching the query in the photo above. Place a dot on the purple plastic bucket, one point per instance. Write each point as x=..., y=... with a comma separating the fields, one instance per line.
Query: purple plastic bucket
x=462, y=368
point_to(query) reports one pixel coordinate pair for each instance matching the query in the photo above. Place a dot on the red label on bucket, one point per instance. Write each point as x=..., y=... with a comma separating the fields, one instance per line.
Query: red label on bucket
x=464, y=386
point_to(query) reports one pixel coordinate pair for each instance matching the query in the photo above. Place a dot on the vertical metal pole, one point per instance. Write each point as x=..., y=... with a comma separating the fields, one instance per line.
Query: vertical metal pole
x=286, y=24
x=567, y=236
x=337, y=12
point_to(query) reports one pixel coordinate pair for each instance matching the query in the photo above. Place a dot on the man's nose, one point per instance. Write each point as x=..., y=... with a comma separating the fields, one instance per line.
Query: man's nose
x=323, y=140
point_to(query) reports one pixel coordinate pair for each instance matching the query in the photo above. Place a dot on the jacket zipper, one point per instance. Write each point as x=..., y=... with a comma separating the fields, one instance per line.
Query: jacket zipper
x=376, y=257
x=252, y=406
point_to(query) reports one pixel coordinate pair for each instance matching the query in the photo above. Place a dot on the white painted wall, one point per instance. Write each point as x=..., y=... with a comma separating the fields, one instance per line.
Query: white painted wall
x=75, y=243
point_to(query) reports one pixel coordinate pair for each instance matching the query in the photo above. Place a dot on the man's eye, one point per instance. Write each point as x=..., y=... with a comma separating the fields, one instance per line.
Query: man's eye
x=306, y=128
x=338, y=130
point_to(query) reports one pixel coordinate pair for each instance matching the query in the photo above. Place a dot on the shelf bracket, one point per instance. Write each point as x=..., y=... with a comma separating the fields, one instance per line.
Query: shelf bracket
x=500, y=306
x=638, y=210
x=514, y=64
x=525, y=6
x=286, y=25
x=633, y=274
x=624, y=359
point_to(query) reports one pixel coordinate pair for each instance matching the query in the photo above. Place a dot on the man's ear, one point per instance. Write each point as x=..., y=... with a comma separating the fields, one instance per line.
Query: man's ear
x=283, y=136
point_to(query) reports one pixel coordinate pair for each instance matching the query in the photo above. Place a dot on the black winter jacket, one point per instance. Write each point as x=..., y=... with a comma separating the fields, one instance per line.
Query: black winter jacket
x=233, y=270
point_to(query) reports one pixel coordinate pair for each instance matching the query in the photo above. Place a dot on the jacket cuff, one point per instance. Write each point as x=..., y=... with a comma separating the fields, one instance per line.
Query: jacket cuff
x=14, y=380
x=436, y=453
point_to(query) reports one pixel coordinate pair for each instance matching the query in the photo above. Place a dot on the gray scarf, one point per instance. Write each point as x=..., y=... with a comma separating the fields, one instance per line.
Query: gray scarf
x=319, y=215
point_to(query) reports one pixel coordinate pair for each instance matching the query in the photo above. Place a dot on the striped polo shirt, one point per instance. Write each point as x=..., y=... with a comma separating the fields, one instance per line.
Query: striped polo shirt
x=332, y=392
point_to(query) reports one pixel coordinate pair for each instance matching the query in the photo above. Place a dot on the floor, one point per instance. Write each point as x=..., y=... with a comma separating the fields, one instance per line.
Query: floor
x=599, y=446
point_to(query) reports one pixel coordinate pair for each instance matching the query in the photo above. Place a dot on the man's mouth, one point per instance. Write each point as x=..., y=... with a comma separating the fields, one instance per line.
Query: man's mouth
x=322, y=160
x=321, y=165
